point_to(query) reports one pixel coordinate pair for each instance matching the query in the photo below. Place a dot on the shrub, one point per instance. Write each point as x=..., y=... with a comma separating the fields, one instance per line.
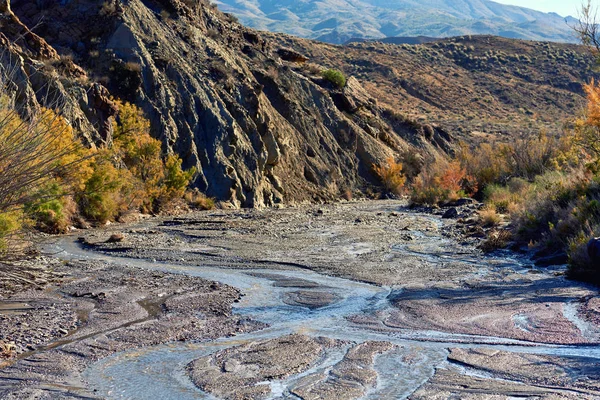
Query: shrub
x=34, y=152
x=509, y=198
x=10, y=223
x=101, y=200
x=441, y=182
x=52, y=209
x=497, y=239
x=336, y=77
x=580, y=265
x=391, y=176
x=196, y=199
x=489, y=217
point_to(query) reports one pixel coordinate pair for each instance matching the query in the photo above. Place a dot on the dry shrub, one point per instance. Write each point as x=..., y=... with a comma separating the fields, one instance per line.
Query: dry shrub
x=489, y=217
x=347, y=194
x=484, y=163
x=391, y=176
x=440, y=182
x=311, y=68
x=496, y=240
x=199, y=200
x=6, y=350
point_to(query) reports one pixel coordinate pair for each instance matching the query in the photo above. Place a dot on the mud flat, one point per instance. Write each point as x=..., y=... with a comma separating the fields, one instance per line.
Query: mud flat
x=362, y=300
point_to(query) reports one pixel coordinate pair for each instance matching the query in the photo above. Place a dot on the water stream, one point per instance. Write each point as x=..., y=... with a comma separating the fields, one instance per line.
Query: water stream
x=159, y=372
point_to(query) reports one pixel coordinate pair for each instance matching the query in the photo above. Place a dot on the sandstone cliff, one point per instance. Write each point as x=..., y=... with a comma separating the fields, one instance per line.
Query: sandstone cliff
x=260, y=128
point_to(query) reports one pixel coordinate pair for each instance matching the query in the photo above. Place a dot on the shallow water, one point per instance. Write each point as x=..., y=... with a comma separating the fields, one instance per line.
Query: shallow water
x=159, y=372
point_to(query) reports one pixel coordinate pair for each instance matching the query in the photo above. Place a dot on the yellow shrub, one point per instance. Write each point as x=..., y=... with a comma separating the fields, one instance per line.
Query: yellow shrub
x=10, y=222
x=391, y=175
x=489, y=217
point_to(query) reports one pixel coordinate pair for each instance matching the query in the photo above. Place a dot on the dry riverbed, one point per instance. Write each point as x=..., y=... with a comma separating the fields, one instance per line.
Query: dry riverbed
x=344, y=301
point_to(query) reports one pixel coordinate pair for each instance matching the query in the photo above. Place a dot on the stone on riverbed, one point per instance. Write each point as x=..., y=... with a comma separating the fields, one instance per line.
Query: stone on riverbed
x=241, y=372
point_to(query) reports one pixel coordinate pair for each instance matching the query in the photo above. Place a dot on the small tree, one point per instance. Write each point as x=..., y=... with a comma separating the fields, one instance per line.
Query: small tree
x=587, y=28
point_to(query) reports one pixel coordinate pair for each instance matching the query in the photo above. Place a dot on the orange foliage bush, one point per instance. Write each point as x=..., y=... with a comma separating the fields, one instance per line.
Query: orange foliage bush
x=441, y=182
x=391, y=175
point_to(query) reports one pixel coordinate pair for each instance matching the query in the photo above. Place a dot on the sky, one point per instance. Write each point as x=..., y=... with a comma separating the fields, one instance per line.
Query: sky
x=561, y=7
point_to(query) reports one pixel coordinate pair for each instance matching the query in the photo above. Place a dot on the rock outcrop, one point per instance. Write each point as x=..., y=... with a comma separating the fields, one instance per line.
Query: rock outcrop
x=34, y=73
x=259, y=125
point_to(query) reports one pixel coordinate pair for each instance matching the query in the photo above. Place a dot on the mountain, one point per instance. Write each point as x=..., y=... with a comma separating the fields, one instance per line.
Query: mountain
x=251, y=111
x=228, y=101
x=337, y=21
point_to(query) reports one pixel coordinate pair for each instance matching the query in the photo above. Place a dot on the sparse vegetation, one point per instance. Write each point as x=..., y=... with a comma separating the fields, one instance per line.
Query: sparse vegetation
x=49, y=177
x=199, y=200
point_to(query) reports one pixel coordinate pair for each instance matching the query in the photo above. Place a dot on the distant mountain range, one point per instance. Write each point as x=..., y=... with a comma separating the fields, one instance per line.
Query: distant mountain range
x=337, y=21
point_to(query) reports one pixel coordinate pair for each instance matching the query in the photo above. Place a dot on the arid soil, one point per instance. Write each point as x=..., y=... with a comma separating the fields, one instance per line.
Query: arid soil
x=346, y=301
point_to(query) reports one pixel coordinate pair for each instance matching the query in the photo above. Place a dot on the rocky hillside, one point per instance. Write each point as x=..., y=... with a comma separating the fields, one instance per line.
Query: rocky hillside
x=253, y=115
x=338, y=21
x=472, y=87
x=230, y=102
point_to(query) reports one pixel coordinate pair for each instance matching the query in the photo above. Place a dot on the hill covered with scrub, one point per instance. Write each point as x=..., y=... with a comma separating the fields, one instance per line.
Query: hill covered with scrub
x=254, y=113
x=473, y=87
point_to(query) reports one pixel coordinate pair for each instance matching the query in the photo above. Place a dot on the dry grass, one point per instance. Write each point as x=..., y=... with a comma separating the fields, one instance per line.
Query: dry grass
x=489, y=217
x=497, y=239
x=198, y=200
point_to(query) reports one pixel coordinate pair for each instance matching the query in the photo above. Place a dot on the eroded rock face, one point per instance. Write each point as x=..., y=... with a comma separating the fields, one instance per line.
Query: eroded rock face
x=36, y=76
x=259, y=128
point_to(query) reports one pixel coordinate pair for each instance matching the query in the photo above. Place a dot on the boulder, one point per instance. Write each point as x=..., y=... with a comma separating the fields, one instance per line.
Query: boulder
x=460, y=202
x=291, y=55
x=116, y=238
x=553, y=259
x=593, y=248
x=450, y=213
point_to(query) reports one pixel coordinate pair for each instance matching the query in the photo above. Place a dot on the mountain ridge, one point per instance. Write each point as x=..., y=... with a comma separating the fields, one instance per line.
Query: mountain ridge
x=337, y=21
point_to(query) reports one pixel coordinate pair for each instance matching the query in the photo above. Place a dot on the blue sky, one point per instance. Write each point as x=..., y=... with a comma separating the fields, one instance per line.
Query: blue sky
x=562, y=7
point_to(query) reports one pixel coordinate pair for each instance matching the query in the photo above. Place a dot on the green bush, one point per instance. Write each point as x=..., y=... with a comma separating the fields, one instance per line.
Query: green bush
x=100, y=199
x=10, y=222
x=335, y=76
x=51, y=211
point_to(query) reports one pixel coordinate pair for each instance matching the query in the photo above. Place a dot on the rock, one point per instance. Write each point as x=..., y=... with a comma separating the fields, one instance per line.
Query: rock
x=593, y=249
x=450, y=213
x=553, y=259
x=116, y=238
x=291, y=55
